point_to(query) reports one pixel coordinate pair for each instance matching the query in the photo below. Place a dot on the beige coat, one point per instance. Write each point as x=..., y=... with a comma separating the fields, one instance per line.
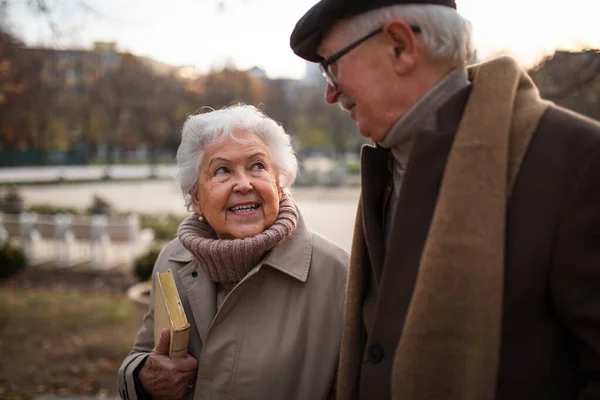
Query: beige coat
x=277, y=334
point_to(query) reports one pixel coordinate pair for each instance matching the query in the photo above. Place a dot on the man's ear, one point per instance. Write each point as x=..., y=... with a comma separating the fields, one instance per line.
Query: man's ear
x=402, y=42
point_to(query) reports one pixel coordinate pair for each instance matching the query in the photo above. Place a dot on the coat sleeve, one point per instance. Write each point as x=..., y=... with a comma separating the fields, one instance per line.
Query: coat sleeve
x=575, y=278
x=144, y=343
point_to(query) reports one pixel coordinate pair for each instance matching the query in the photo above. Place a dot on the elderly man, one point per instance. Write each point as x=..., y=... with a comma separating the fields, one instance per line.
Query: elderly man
x=475, y=269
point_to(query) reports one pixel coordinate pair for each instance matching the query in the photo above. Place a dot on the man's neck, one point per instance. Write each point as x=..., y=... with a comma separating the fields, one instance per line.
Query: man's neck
x=420, y=115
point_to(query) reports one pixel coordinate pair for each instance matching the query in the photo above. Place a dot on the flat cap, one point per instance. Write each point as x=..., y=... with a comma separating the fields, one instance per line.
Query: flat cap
x=309, y=31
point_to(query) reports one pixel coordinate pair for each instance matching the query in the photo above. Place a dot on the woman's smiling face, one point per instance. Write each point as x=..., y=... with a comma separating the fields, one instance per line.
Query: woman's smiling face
x=238, y=188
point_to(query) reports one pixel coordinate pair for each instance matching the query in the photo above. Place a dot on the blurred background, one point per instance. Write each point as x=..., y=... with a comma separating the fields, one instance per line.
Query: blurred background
x=93, y=94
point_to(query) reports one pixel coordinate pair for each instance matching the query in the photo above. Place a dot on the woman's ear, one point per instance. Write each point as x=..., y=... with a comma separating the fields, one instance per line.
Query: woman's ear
x=279, y=189
x=196, y=202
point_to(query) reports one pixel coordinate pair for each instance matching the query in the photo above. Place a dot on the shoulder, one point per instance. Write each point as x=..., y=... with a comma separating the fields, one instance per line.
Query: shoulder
x=325, y=252
x=328, y=273
x=570, y=126
x=172, y=247
x=172, y=252
x=561, y=145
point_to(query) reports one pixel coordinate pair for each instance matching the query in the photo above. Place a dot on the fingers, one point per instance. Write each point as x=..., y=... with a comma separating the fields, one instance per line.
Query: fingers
x=162, y=347
x=169, y=383
x=188, y=377
x=180, y=385
x=173, y=366
x=180, y=391
x=187, y=363
x=163, y=377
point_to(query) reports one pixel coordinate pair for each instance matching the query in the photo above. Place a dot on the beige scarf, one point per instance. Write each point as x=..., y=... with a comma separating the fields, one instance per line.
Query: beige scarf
x=449, y=348
x=227, y=261
x=450, y=345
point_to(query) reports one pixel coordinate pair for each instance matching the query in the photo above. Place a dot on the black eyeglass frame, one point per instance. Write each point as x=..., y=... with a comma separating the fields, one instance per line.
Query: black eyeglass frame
x=324, y=65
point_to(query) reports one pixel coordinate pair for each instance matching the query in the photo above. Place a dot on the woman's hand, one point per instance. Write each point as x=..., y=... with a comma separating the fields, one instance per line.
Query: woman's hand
x=165, y=378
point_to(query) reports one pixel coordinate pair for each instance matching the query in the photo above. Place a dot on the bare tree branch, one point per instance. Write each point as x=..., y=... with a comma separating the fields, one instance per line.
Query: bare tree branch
x=566, y=74
x=576, y=87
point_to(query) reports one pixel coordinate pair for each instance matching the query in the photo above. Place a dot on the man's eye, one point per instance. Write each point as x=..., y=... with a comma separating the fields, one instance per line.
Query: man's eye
x=258, y=165
x=221, y=170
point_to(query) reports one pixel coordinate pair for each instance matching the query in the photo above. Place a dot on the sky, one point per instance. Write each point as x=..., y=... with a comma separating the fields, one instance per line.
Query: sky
x=248, y=33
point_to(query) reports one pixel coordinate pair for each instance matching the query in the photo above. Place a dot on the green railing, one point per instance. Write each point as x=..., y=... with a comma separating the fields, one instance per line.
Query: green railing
x=18, y=158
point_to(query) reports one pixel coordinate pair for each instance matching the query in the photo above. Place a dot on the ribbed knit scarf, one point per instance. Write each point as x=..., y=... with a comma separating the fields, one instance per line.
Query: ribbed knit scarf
x=227, y=261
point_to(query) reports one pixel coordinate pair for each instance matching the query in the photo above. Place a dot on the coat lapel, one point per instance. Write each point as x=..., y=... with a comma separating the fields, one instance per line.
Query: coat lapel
x=413, y=214
x=374, y=176
x=200, y=290
x=353, y=337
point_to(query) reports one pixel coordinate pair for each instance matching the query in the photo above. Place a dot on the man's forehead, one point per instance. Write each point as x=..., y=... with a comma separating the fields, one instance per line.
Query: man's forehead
x=335, y=38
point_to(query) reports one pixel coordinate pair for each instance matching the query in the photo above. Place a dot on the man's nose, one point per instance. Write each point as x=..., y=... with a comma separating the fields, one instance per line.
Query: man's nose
x=331, y=95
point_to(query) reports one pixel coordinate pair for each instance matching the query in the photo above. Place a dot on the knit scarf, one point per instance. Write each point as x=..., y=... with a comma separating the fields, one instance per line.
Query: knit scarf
x=227, y=261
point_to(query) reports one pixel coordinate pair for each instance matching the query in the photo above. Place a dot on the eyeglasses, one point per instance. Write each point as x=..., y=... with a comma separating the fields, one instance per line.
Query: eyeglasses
x=326, y=64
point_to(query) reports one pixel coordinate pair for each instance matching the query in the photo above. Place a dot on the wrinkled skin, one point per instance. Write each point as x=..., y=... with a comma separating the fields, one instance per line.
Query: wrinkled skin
x=165, y=378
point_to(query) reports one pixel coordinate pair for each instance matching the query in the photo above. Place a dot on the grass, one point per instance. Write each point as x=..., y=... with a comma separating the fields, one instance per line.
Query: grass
x=57, y=310
x=62, y=341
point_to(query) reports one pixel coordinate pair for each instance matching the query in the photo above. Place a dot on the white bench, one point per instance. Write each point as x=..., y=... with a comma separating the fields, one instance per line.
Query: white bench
x=68, y=240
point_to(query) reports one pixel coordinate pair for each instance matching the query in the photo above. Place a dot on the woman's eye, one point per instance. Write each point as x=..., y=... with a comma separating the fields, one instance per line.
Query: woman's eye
x=221, y=170
x=258, y=165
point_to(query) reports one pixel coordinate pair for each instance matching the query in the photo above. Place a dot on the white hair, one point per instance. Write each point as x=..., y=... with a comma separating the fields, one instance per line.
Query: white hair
x=204, y=129
x=445, y=33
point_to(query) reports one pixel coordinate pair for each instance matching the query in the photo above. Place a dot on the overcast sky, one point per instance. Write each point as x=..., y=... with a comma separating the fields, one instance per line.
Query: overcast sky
x=249, y=33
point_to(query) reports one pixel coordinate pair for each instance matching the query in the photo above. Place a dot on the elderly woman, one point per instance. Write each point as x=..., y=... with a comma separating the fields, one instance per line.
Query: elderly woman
x=263, y=294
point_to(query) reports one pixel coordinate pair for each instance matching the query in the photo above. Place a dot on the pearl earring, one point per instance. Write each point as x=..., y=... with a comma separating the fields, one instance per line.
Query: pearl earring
x=201, y=218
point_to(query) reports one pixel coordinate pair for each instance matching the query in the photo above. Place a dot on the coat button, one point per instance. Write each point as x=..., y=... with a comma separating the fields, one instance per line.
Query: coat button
x=194, y=274
x=376, y=353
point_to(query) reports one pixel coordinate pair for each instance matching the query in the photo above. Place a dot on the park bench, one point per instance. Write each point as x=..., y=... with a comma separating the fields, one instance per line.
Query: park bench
x=63, y=239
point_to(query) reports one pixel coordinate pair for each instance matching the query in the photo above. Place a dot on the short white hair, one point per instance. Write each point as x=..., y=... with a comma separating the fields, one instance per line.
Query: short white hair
x=210, y=127
x=446, y=34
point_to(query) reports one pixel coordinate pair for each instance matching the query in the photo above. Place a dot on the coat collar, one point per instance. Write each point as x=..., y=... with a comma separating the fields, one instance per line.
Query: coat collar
x=292, y=256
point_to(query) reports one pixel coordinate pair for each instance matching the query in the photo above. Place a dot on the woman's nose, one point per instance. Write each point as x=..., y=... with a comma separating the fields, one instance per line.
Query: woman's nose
x=242, y=184
x=331, y=95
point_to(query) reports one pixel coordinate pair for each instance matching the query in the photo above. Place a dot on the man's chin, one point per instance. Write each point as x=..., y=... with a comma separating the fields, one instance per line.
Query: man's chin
x=375, y=137
x=363, y=130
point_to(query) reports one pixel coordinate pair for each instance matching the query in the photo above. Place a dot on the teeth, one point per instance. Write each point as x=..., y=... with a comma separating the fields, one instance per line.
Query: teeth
x=247, y=208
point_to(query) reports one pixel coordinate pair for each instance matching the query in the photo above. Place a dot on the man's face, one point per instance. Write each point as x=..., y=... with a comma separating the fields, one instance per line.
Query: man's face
x=367, y=81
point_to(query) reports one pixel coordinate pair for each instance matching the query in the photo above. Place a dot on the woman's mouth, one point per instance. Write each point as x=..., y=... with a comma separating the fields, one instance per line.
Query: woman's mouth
x=245, y=209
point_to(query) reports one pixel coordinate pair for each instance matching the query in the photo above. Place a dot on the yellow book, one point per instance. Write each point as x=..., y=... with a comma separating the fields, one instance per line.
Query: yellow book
x=169, y=313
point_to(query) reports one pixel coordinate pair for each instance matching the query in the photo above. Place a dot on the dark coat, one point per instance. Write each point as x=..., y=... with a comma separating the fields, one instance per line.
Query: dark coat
x=550, y=339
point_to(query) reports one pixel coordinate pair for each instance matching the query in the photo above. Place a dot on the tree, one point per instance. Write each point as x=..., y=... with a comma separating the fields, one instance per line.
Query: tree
x=19, y=83
x=43, y=8
x=572, y=80
x=135, y=106
x=115, y=96
x=318, y=124
x=278, y=104
x=227, y=86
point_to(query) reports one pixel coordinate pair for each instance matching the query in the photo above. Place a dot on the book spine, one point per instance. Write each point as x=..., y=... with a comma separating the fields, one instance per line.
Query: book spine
x=179, y=342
